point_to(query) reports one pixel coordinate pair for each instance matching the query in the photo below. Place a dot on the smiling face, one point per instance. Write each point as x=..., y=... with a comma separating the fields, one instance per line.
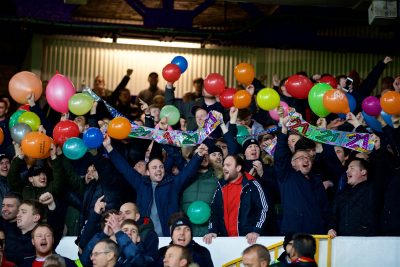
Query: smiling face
x=231, y=169
x=355, y=173
x=4, y=166
x=43, y=241
x=216, y=158
x=201, y=116
x=292, y=140
x=182, y=235
x=156, y=170
x=39, y=180
x=301, y=161
x=9, y=209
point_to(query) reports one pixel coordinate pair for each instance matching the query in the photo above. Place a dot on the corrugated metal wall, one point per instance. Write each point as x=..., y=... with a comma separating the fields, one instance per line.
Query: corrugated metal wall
x=82, y=60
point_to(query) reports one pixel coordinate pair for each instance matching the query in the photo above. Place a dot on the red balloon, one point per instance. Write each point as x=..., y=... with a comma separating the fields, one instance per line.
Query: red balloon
x=171, y=72
x=329, y=80
x=214, y=84
x=298, y=86
x=226, y=97
x=65, y=130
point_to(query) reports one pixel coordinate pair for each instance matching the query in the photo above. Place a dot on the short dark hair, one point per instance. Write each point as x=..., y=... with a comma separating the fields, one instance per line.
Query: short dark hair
x=37, y=207
x=239, y=160
x=105, y=216
x=15, y=195
x=131, y=222
x=153, y=74
x=262, y=252
x=304, y=245
x=364, y=165
x=198, y=80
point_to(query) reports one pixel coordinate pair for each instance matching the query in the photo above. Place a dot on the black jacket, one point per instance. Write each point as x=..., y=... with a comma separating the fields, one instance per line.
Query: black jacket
x=29, y=261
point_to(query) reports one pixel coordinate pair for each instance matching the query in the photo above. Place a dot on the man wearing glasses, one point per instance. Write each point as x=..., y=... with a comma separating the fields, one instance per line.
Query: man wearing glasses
x=105, y=254
x=304, y=201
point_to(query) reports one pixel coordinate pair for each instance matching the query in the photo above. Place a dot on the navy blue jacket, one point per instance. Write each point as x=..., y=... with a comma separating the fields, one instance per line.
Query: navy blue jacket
x=166, y=192
x=252, y=210
x=131, y=255
x=304, y=201
x=29, y=261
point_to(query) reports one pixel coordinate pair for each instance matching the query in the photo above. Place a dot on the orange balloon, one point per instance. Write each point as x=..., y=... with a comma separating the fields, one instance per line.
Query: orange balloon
x=390, y=102
x=244, y=73
x=36, y=145
x=1, y=136
x=335, y=101
x=22, y=84
x=119, y=128
x=242, y=99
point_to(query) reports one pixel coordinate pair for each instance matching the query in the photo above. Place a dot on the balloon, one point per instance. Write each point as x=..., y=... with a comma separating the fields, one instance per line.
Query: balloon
x=119, y=128
x=371, y=106
x=298, y=86
x=171, y=73
x=31, y=119
x=93, y=138
x=74, y=148
x=24, y=83
x=58, y=92
x=335, y=101
x=14, y=118
x=352, y=105
x=390, y=102
x=181, y=62
x=268, y=99
x=387, y=118
x=372, y=122
x=199, y=212
x=25, y=107
x=18, y=132
x=241, y=99
x=226, y=97
x=80, y=104
x=36, y=145
x=243, y=133
x=244, y=73
x=171, y=113
x=273, y=113
x=214, y=84
x=316, y=99
x=1, y=136
x=65, y=130
x=329, y=80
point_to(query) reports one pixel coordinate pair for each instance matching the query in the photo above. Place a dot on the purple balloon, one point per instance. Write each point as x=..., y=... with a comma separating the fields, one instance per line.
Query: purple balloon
x=372, y=106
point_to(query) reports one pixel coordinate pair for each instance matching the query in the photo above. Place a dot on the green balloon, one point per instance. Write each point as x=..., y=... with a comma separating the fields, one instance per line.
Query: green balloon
x=31, y=119
x=199, y=212
x=171, y=113
x=316, y=99
x=80, y=104
x=243, y=133
x=14, y=118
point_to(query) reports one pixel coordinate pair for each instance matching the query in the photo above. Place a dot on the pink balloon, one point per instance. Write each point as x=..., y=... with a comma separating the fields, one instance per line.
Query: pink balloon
x=58, y=91
x=372, y=106
x=273, y=113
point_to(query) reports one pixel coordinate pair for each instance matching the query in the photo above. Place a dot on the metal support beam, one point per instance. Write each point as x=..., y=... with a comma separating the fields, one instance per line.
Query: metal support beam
x=138, y=6
x=168, y=5
x=203, y=6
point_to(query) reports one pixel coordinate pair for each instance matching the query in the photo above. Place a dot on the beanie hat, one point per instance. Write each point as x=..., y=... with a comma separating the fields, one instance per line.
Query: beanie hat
x=181, y=221
x=34, y=171
x=287, y=239
x=248, y=142
x=213, y=149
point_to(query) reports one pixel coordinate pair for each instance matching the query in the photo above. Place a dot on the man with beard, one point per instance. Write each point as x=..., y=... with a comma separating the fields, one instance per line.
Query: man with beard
x=239, y=207
x=304, y=200
x=43, y=241
x=203, y=188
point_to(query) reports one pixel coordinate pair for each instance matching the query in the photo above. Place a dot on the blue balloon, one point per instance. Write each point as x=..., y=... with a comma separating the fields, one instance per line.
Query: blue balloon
x=387, y=118
x=74, y=148
x=352, y=105
x=372, y=122
x=93, y=138
x=181, y=62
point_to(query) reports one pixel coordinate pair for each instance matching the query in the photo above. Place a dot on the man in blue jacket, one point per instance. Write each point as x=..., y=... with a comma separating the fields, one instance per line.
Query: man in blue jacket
x=239, y=207
x=158, y=194
x=304, y=200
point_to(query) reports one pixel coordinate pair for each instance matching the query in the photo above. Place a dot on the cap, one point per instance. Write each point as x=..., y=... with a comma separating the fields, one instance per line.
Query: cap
x=34, y=171
x=180, y=222
x=248, y=142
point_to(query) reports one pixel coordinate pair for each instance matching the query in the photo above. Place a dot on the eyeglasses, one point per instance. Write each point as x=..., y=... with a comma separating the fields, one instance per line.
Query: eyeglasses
x=95, y=254
x=302, y=158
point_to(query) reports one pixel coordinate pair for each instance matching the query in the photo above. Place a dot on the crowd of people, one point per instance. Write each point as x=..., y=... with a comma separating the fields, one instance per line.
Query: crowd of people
x=118, y=199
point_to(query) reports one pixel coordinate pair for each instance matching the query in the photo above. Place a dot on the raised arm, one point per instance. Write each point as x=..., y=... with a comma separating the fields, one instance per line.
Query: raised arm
x=282, y=154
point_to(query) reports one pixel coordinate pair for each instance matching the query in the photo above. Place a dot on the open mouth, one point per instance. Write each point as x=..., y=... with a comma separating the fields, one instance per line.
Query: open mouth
x=43, y=245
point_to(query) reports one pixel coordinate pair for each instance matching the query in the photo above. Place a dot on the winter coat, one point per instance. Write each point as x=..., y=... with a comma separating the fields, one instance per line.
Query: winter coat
x=29, y=261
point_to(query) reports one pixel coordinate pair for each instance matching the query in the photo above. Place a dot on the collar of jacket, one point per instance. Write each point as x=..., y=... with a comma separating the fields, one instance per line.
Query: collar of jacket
x=245, y=181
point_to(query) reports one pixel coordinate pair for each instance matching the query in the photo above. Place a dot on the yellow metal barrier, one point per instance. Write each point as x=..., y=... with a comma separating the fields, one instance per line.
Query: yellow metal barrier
x=275, y=247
